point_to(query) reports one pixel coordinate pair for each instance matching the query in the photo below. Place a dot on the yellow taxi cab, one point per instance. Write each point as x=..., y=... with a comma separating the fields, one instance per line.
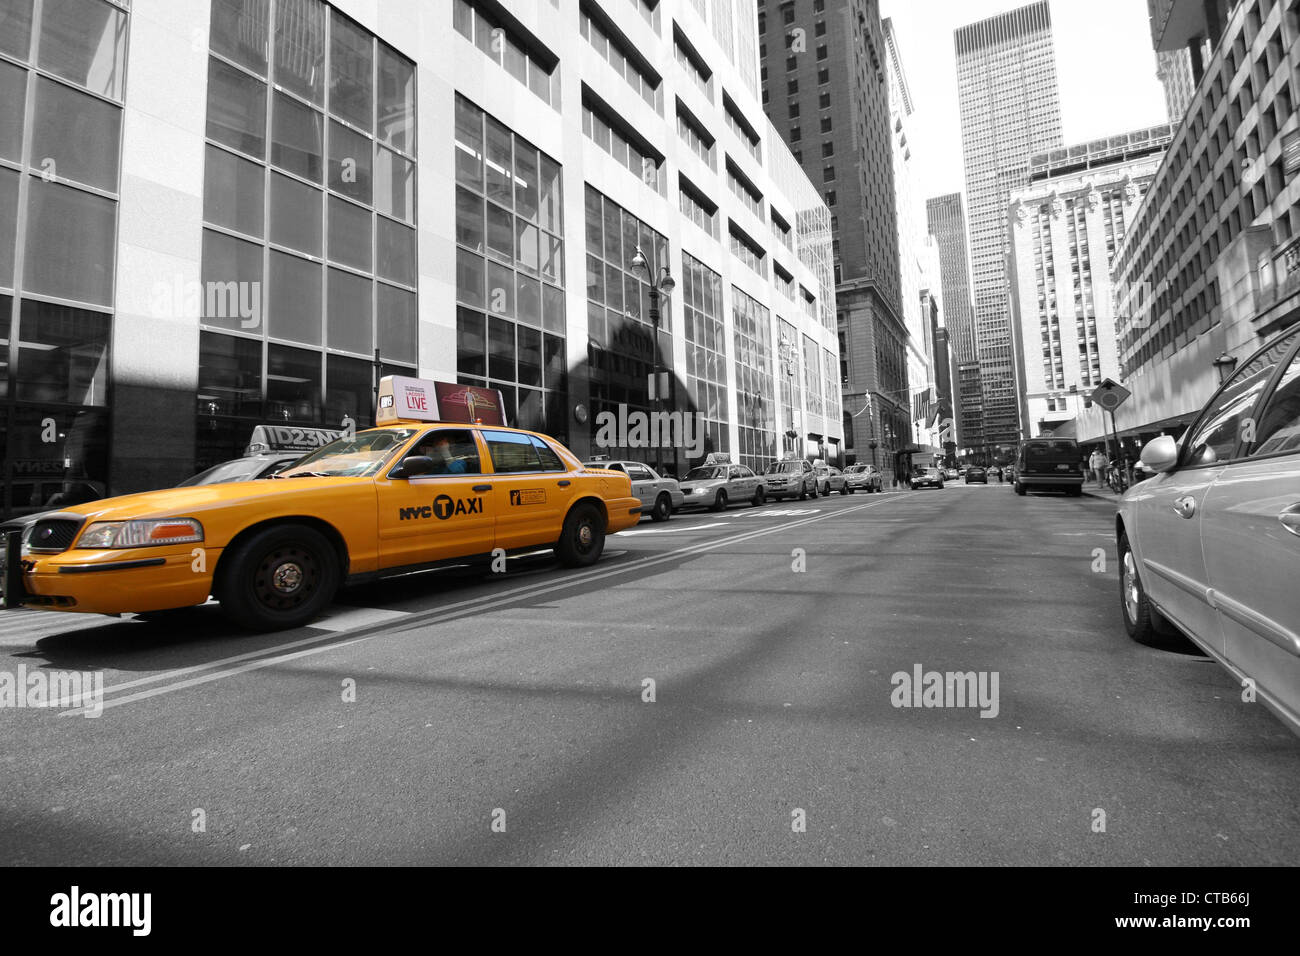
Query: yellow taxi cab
x=414, y=492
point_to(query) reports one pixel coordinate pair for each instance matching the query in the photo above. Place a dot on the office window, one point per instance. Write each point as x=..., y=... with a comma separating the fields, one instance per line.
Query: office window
x=336, y=256
x=511, y=303
x=507, y=49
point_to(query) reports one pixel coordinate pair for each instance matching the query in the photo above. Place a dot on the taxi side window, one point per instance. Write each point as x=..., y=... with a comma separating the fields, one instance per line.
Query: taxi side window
x=453, y=450
x=546, y=455
x=1224, y=421
x=512, y=453
x=1279, y=425
x=638, y=473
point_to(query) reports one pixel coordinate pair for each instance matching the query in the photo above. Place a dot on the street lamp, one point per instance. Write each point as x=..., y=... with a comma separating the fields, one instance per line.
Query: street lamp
x=1225, y=364
x=664, y=287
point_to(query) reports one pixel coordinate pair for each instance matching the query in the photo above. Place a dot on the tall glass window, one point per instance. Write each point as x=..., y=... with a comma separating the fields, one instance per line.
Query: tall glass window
x=755, y=390
x=510, y=318
x=621, y=346
x=309, y=242
x=706, y=347
x=62, y=81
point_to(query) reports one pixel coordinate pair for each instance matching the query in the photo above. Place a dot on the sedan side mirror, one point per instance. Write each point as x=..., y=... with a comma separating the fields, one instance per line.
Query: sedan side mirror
x=1160, y=454
x=413, y=467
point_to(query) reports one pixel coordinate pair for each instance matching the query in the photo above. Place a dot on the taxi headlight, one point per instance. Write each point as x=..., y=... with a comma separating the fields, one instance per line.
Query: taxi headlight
x=141, y=534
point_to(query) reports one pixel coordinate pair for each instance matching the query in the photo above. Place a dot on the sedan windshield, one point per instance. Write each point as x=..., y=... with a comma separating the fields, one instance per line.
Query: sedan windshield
x=704, y=474
x=361, y=455
x=241, y=469
x=784, y=467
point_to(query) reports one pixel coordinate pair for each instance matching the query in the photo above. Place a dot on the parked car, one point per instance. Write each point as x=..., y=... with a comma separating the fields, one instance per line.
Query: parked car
x=976, y=474
x=864, y=478
x=790, y=478
x=660, y=496
x=923, y=477
x=830, y=478
x=1049, y=463
x=718, y=485
x=1210, y=545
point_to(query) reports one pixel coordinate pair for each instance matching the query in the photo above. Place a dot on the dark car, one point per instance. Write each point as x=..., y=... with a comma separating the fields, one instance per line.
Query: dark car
x=1050, y=463
x=975, y=473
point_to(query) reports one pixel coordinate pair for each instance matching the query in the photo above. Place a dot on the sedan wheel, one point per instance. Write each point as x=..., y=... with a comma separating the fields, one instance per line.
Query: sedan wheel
x=663, y=509
x=1142, y=622
x=720, y=502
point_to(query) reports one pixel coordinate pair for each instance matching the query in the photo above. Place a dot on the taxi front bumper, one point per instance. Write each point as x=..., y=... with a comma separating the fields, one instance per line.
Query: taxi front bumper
x=700, y=496
x=108, y=581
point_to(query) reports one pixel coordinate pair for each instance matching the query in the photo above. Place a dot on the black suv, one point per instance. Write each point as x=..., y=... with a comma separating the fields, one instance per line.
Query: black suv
x=1050, y=463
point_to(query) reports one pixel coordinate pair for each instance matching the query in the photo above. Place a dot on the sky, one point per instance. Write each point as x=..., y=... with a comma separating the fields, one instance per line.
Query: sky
x=1106, y=71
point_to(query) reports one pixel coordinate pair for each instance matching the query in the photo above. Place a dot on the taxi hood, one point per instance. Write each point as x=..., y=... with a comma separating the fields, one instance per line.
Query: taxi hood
x=195, y=499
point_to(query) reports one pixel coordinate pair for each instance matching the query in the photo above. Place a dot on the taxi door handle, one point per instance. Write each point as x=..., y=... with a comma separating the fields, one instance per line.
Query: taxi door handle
x=564, y=484
x=482, y=487
x=1185, y=506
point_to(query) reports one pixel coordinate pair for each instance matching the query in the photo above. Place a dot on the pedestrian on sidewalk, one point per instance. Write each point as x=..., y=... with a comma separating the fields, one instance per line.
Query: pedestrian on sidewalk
x=1097, y=463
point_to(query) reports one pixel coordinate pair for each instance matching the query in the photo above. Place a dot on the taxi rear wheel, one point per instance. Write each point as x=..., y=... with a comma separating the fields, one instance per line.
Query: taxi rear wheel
x=279, y=578
x=583, y=538
x=663, y=509
x=759, y=496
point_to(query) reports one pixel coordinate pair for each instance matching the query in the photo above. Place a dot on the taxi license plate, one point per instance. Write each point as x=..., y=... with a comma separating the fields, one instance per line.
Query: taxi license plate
x=1062, y=467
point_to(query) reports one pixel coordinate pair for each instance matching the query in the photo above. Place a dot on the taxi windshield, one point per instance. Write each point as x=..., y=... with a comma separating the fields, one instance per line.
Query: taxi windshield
x=704, y=474
x=357, y=456
x=779, y=467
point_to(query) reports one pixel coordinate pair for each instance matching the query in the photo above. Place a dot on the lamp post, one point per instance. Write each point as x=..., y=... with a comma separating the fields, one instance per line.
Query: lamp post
x=664, y=286
x=1225, y=364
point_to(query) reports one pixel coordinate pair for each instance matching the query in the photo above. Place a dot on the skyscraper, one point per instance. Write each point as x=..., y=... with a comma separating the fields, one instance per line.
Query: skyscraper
x=826, y=90
x=1065, y=230
x=1010, y=110
x=946, y=219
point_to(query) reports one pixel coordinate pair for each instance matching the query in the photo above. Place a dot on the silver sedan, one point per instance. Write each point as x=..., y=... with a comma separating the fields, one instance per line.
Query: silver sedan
x=1210, y=545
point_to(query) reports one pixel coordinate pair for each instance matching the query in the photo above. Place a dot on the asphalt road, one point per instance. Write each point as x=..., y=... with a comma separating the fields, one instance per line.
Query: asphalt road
x=517, y=702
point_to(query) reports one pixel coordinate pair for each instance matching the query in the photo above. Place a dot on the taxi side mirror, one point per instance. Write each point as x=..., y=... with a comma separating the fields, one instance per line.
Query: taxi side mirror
x=1160, y=454
x=412, y=467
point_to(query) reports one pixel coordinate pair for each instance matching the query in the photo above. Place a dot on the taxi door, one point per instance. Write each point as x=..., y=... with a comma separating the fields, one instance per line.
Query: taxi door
x=531, y=489
x=440, y=516
x=1251, y=534
x=1170, y=508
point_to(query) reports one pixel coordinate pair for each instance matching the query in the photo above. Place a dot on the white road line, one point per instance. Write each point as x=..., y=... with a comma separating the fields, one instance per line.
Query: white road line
x=689, y=527
x=252, y=661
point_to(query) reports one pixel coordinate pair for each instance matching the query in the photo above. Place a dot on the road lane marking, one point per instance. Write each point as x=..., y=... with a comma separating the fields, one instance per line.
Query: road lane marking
x=267, y=657
x=689, y=527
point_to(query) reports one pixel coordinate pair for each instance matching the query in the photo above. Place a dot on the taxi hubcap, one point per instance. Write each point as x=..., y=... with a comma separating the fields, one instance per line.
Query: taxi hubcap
x=584, y=536
x=287, y=577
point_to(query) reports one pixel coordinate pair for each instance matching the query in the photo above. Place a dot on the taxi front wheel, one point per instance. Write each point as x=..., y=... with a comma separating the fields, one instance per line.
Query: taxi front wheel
x=279, y=578
x=583, y=537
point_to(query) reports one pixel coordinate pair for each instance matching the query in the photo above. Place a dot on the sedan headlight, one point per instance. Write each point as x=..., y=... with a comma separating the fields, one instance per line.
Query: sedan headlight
x=141, y=534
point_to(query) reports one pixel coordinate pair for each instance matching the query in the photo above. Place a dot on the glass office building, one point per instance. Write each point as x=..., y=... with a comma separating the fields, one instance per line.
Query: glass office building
x=231, y=212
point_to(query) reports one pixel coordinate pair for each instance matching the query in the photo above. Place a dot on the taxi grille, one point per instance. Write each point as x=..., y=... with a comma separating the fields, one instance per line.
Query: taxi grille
x=53, y=536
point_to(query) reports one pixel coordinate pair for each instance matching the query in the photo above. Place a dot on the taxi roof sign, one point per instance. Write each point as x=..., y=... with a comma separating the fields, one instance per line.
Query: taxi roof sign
x=718, y=458
x=404, y=399
x=272, y=438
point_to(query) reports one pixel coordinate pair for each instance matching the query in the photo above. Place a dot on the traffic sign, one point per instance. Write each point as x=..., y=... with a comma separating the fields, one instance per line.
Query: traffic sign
x=1110, y=395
